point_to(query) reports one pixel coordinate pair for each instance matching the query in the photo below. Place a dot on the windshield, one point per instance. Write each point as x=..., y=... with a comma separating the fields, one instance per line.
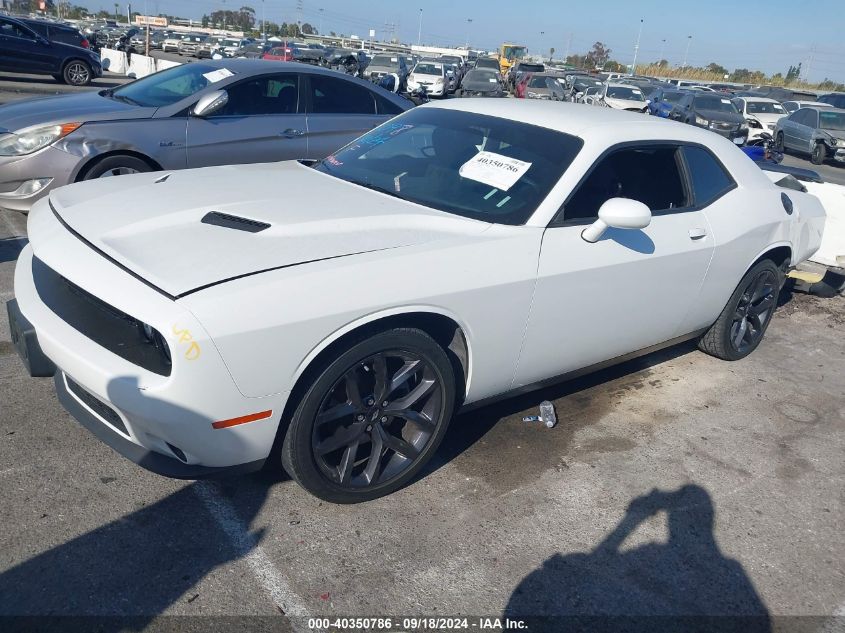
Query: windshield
x=513, y=52
x=537, y=82
x=832, y=121
x=385, y=61
x=230, y=42
x=718, y=104
x=482, y=76
x=429, y=69
x=194, y=38
x=530, y=68
x=166, y=87
x=763, y=107
x=475, y=166
x=487, y=63
x=672, y=97
x=623, y=92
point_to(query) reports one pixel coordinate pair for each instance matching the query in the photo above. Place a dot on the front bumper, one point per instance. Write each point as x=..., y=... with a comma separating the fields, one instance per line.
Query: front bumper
x=49, y=162
x=163, y=423
x=433, y=90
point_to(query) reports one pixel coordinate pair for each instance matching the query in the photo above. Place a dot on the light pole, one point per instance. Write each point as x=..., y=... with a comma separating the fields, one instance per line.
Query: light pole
x=321, y=21
x=637, y=48
x=419, y=32
x=662, y=50
x=686, y=54
x=469, y=22
x=115, y=12
x=263, y=23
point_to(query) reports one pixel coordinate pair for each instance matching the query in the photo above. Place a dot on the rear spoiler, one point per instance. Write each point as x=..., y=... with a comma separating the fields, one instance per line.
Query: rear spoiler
x=799, y=173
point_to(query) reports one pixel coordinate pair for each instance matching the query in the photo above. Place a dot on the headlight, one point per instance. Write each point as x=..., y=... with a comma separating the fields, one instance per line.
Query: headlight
x=701, y=121
x=35, y=139
x=754, y=123
x=743, y=128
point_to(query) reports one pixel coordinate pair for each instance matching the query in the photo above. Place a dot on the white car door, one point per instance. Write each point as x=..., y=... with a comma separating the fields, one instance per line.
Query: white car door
x=631, y=289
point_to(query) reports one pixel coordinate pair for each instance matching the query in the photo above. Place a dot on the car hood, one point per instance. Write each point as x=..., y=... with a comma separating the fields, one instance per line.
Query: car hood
x=77, y=108
x=622, y=104
x=723, y=117
x=840, y=134
x=766, y=117
x=312, y=217
x=480, y=86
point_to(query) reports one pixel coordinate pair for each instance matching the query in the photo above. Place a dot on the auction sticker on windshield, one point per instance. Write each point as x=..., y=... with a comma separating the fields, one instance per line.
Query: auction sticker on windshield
x=217, y=75
x=494, y=169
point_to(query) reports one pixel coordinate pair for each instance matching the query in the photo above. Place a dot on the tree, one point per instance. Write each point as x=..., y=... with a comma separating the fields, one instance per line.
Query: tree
x=307, y=29
x=614, y=67
x=793, y=73
x=716, y=69
x=578, y=61
x=741, y=75
x=663, y=63
x=598, y=56
x=205, y=21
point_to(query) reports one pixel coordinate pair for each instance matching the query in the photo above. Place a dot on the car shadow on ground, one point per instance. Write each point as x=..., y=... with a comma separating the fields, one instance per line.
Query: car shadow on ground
x=684, y=585
x=469, y=427
x=11, y=247
x=121, y=575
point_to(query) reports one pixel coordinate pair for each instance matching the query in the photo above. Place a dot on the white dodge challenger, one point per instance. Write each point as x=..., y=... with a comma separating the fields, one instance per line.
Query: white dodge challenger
x=329, y=318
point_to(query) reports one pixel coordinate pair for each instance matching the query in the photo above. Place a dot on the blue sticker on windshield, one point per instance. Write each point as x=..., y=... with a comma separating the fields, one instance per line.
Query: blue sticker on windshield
x=384, y=133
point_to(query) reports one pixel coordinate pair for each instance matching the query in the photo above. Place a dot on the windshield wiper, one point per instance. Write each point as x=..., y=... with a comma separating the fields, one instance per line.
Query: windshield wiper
x=368, y=185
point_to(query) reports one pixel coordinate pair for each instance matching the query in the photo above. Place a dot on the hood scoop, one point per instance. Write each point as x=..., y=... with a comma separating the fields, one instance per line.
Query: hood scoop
x=234, y=222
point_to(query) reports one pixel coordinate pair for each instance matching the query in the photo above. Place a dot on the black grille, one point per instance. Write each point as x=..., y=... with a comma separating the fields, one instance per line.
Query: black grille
x=100, y=408
x=104, y=324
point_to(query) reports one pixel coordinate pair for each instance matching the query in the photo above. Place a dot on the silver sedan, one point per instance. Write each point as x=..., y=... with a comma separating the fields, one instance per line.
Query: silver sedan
x=195, y=115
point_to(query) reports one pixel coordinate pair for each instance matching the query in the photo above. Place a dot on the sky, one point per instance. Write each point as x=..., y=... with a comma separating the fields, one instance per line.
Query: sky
x=767, y=35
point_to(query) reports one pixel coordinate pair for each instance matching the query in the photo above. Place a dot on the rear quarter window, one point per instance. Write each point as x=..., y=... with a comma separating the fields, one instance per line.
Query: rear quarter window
x=709, y=179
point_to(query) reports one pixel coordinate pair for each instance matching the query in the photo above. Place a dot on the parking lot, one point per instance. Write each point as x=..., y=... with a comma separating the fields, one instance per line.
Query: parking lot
x=673, y=486
x=745, y=458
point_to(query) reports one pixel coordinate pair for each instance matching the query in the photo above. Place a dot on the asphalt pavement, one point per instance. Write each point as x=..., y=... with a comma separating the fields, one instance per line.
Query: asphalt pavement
x=746, y=459
x=677, y=484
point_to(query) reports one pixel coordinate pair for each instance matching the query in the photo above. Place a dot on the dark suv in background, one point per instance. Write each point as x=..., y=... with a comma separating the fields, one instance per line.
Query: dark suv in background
x=711, y=111
x=56, y=32
x=24, y=49
x=836, y=99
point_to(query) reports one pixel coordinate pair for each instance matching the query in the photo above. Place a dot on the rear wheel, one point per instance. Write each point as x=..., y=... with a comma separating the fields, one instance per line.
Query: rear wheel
x=119, y=165
x=779, y=143
x=741, y=326
x=77, y=73
x=372, y=418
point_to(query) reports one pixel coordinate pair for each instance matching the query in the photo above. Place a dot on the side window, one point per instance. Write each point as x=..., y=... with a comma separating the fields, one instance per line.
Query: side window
x=647, y=174
x=271, y=94
x=384, y=106
x=338, y=96
x=801, y=117
x=10, y=29
x=812, y=118
x=709, y=178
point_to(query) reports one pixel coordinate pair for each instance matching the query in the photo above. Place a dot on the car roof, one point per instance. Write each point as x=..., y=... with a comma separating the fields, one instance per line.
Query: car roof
x=826, y=110
x=759, y=99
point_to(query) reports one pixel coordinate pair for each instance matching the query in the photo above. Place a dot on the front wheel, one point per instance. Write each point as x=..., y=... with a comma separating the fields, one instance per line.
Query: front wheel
x=77, y=73
x=741, y=326
x=818, y=154
x=116, y=166
x=779, y=143
x=372, y=418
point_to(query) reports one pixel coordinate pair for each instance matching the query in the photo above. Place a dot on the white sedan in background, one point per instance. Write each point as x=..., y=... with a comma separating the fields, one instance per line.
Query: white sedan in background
x=760, y=113
x=459, y=253
x=621, y=97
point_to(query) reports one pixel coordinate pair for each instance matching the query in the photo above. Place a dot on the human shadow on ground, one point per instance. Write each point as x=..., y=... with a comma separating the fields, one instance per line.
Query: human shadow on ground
x=685, y=585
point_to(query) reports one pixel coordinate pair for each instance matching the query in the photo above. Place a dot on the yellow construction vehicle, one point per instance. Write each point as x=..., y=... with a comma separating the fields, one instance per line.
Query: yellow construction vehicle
x=510, y=55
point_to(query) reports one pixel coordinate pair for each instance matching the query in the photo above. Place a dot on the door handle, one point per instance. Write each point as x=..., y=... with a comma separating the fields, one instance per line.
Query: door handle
x=697, y=234
x=290, y=133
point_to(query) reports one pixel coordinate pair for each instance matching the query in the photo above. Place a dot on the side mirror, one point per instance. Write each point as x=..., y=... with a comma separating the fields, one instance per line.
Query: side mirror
x=210, y=103
x=618, y=213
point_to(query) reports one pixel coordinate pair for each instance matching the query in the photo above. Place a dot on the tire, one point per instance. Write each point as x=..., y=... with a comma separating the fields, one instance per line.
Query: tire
x=818, y=154
x=77, y=73
x=116, y=166
x=779, y=143
x=741, y=325
x=346, y=392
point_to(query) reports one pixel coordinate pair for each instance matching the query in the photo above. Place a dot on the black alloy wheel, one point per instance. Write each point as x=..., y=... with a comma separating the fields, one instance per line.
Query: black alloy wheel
x=372, y=418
